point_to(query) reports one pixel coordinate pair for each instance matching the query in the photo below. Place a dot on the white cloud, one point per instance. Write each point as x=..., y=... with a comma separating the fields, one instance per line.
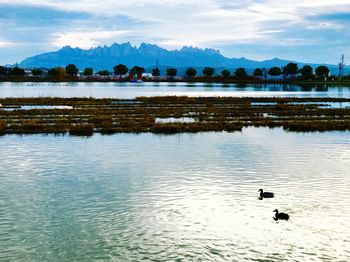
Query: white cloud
x=6, y=44
x=140, y=6
x=202, y=23
x=84, y=39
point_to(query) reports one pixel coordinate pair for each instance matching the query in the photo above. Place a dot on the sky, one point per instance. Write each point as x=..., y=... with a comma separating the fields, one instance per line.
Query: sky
x=314, y=31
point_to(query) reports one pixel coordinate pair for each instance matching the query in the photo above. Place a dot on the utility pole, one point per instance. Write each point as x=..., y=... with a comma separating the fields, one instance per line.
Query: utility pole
x=341, y=66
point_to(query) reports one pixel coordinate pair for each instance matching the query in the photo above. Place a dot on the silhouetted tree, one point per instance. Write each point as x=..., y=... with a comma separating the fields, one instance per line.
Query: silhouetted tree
x=307, y=72
x=258, y=72
x=191, y=72
x=241, y=73
x=37, y=72
x=225, y=73
x=275, y=71
x=88, y=71
x=120, y=69
x=171, y=72
x=291, y=69
x=322, y=71
x=17, y=71
x=104, y=73
x=138, y=70
x=208, y=71
x=72, y=69
x=2, y=70
x=52, y=71
x=156, y=72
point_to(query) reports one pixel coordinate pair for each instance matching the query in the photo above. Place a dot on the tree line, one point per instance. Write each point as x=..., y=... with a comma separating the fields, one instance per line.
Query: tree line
x=290, y=71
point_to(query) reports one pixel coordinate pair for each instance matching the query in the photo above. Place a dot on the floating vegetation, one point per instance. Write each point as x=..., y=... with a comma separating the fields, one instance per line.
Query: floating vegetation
x=175, y=120
x=82, y=130
x=167, y=115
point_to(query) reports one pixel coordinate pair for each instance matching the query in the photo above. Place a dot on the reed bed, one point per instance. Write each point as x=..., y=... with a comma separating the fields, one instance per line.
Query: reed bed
x=108, y=116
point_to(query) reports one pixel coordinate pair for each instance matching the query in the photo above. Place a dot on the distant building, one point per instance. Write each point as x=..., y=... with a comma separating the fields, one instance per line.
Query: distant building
x=28, y=72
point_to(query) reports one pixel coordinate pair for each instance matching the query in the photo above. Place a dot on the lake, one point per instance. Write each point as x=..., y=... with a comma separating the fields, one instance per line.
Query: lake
x=189, y=197
x=132, y=90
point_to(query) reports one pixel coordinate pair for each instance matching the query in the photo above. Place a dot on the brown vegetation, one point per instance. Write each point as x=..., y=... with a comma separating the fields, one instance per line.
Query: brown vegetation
x=109, y=116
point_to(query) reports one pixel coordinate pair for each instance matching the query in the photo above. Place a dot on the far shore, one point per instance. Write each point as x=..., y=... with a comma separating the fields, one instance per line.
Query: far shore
x=219, y=80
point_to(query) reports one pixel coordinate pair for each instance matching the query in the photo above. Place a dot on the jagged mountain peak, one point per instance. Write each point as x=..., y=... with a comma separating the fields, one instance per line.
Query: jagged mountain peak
x=66, y=48
x=150, y=47
x=146, y=55
x=187, y=49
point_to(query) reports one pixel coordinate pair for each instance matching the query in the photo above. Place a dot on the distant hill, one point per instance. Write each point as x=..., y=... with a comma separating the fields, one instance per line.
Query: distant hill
x=146, y=55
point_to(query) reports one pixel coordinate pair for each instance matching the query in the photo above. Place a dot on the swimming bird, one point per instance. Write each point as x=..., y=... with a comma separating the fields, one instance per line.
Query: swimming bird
x=265, y=194
x=282, y=216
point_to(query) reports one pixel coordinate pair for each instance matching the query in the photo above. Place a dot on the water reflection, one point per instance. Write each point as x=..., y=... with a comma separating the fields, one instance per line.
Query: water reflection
x=184, y=197
x=241, y=86
x=131, y=90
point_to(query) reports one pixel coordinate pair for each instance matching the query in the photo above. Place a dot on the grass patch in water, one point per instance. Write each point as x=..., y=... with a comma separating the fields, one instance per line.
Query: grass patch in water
x=108, y=116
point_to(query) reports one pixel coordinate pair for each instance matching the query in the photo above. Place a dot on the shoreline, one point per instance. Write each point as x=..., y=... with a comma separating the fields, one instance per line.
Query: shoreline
x=214, y=80
x=86, y=116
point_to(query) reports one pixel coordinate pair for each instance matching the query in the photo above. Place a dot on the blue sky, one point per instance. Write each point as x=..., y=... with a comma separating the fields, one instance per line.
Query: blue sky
x=306, y=31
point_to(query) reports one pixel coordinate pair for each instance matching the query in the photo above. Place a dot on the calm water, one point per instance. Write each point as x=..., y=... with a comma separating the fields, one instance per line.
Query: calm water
x=175, y=198
x=132, y=90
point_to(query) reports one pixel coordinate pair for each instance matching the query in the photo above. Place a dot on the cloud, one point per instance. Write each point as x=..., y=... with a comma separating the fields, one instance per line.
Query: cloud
x=4, y=44
x=31, y=25
x=84, y=39
x=38, y=15
x=205, y=23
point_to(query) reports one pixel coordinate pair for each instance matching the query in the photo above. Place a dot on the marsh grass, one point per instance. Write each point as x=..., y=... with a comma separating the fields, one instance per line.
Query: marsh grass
x=81, y=130
x=109, y=116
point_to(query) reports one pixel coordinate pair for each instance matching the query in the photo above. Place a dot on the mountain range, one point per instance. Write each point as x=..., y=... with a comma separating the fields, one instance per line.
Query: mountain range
x=148, y=56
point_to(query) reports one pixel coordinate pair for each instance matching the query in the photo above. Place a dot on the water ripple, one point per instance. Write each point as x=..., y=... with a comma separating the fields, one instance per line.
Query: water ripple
x=183, y=197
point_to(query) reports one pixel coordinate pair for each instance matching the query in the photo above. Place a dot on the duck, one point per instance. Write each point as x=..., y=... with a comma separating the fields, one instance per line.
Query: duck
x=282, y=216
x=265, y=194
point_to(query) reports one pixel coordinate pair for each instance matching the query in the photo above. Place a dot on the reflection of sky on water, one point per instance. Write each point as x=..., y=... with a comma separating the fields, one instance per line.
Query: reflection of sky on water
x=132, y=90
x=130, y=196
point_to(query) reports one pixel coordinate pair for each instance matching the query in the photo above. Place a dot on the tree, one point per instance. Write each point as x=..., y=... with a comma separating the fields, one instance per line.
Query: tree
x=57, y=71
x=61, y=71
x=322, y=71
x=258, y=72
x=88, y=71
x=275, y=71
x=104, y=73
x=120, y=69
x=241, y=73
x=171, y=72
x=138, y=70
x=53, y=71
x=208, y=71
x=17, y=71
x=156, y=72
x=291, y=69
x=37, y=72
x=72, y=69
x=307, y=72
x=191, y=72
x=225, y=73
x=2, y=70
